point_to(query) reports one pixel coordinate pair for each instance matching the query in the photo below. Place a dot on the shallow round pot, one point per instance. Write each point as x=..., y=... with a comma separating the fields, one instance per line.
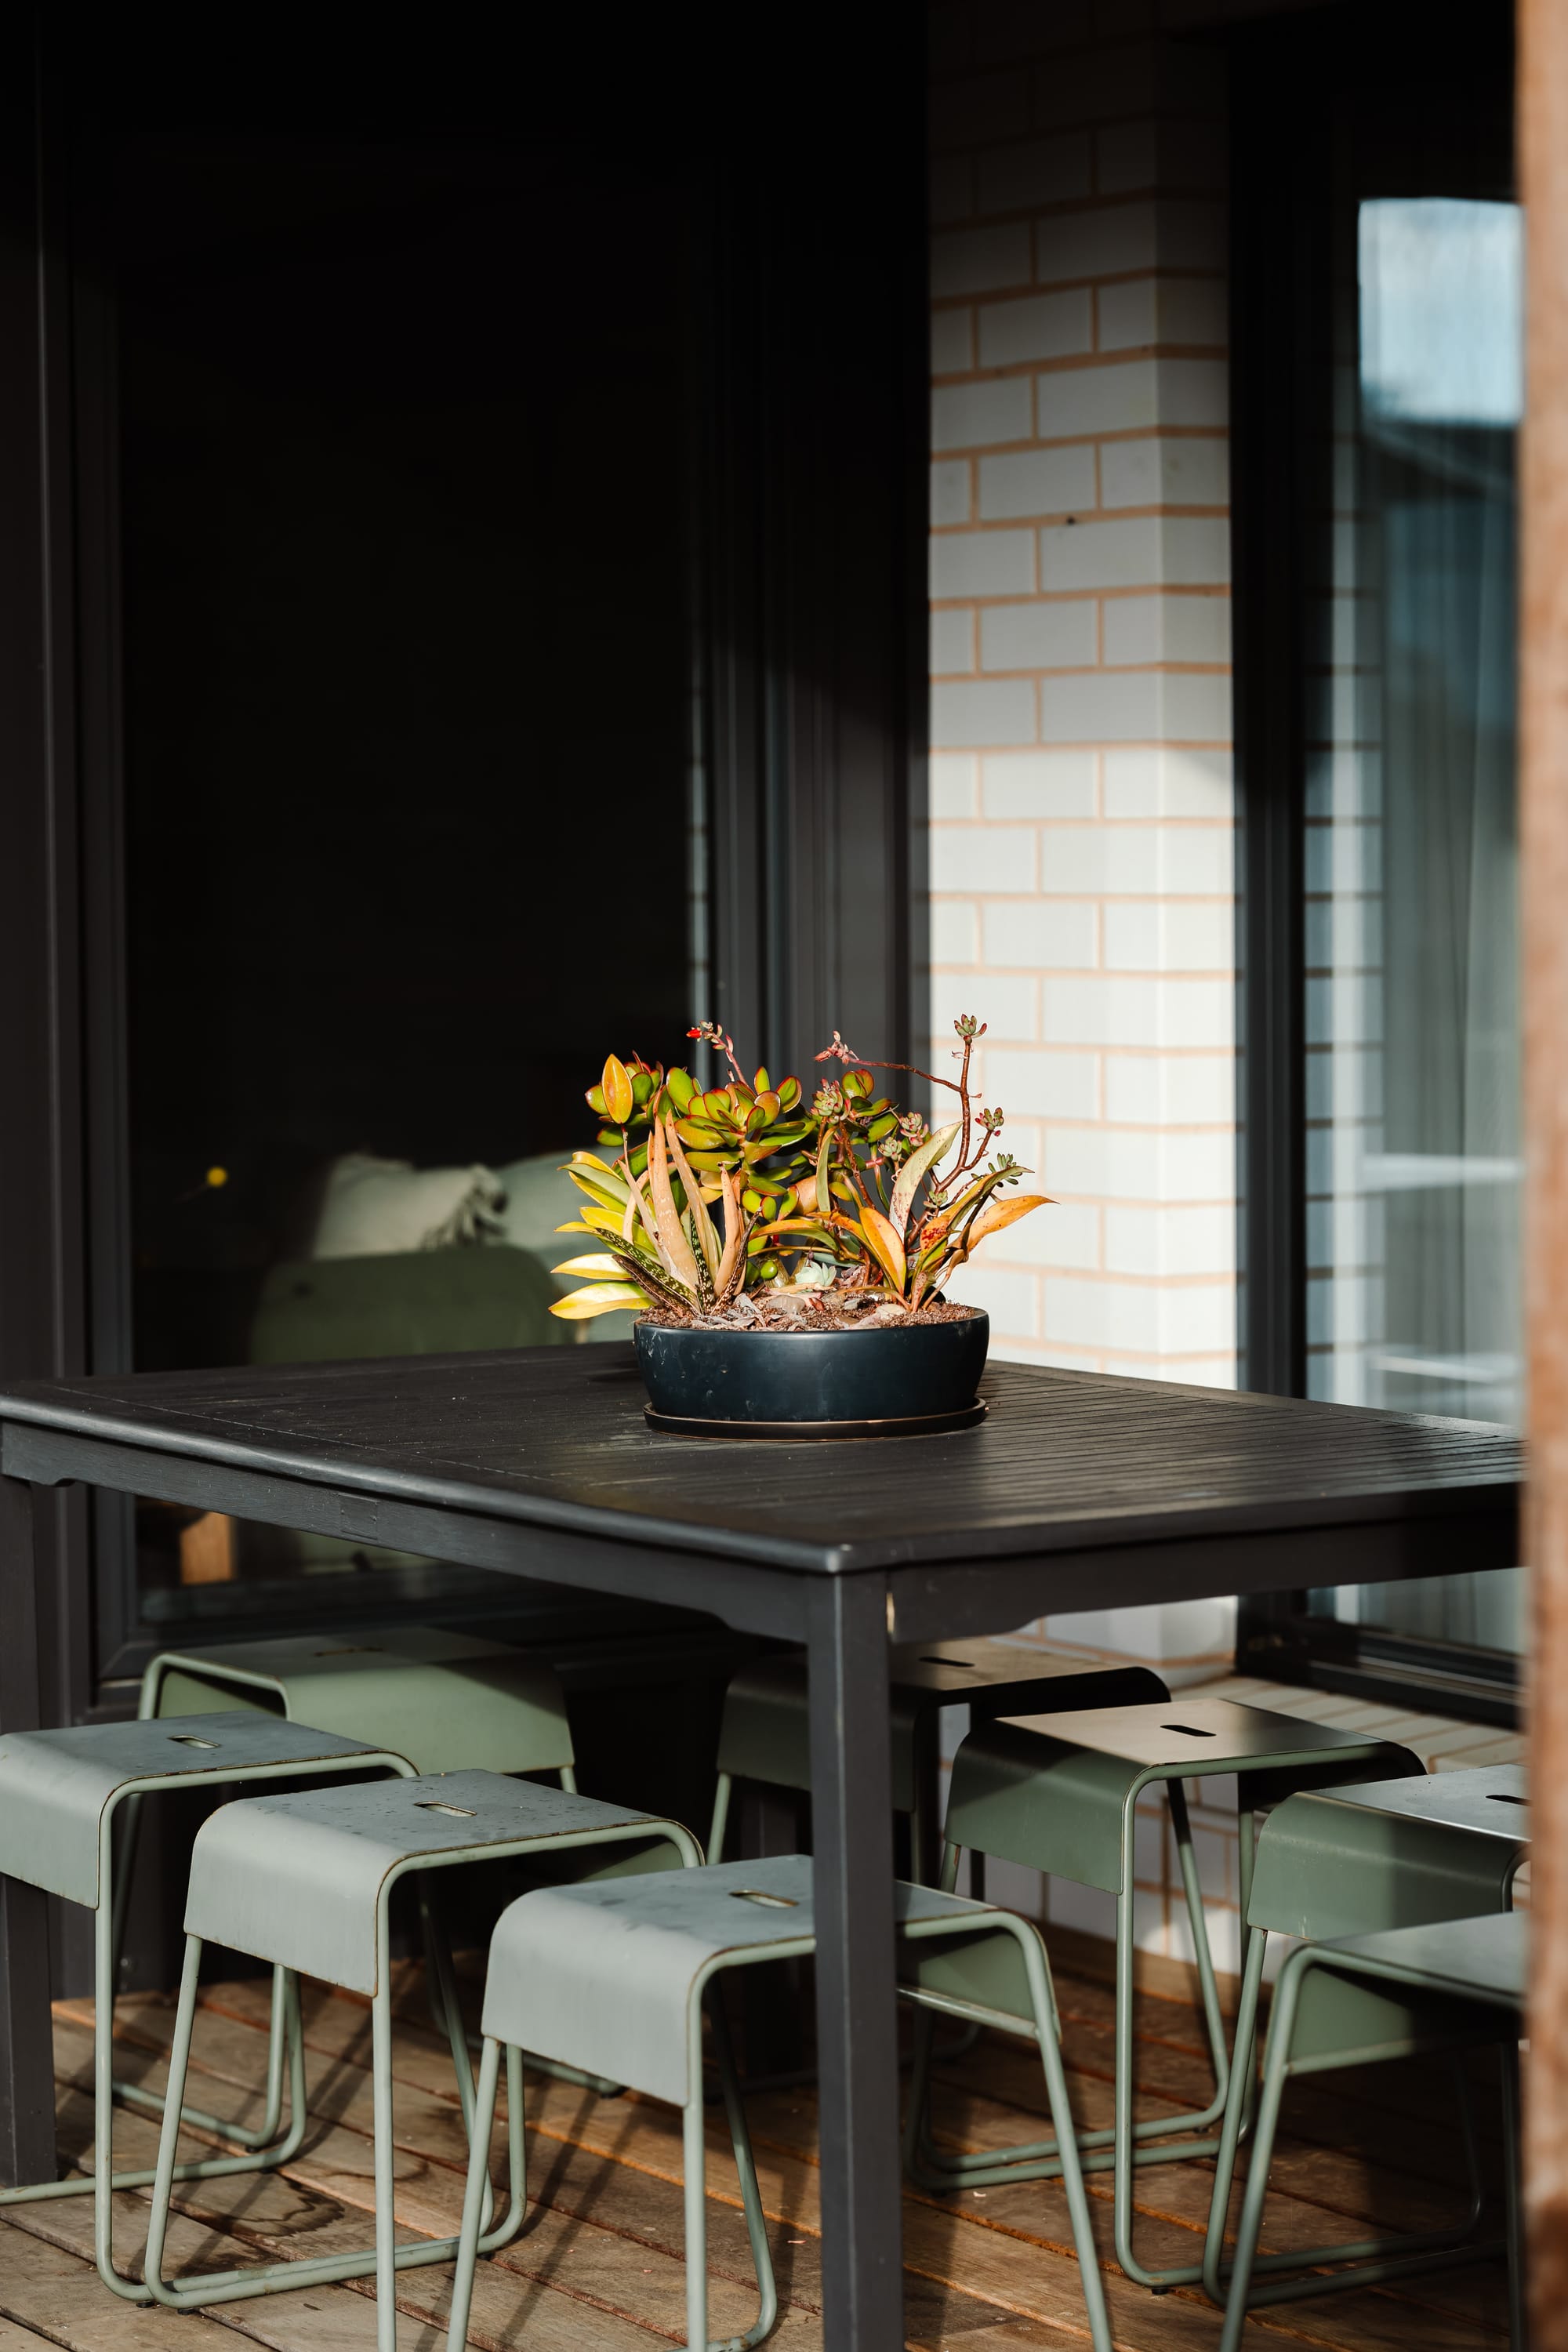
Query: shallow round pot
x=898, y=1371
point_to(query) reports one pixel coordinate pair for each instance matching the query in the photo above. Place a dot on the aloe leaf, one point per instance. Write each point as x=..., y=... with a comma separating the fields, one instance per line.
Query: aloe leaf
x=659, y=1285
x=673, y=1243
x=915, y=1169
x=707, y=1240
x=999, y=1214
x=599, y=1198
x=887, y=1245
x=598, y=1298
x=594, y=1262
x=736, y=1223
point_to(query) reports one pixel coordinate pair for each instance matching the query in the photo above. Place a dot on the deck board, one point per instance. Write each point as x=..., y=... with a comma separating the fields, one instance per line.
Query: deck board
x=599, y=2267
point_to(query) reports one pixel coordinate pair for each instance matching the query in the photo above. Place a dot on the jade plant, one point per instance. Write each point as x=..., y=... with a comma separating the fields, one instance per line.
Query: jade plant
x=739, y=1204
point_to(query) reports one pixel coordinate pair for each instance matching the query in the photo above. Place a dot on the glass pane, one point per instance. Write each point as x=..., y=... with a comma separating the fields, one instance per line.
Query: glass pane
x=1413, y=1167
x=404, y=514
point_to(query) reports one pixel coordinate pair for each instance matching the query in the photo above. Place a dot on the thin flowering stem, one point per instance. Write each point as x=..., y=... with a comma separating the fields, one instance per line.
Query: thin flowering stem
x=709, y=1034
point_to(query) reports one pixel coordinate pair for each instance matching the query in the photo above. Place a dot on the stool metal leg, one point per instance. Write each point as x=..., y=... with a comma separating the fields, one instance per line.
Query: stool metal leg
x=1120, y=2146
x=477, y=2186
x=385, y=2193
x=1042, y=2026
x=751, y=2195
x=694, y=2189
x=103, y=2181
x=1513, y=2192
x=116, y=1895
x=720, y=1821
x=1286, y=1995
x=210, y=2169
x=274, y=2278
x=1368, y=2262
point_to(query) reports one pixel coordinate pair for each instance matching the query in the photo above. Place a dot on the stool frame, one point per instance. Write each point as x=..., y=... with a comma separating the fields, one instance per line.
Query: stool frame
x=385, y=2258
x=263, y=2150
x=1042, y=2025
x=1371, y=2261
x=1343, y=1862
x=1122, y=2145
x=213, y=1665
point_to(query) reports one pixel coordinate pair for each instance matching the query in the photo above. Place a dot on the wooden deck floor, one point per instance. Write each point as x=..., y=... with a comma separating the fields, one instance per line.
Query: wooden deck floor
x=598, y=2268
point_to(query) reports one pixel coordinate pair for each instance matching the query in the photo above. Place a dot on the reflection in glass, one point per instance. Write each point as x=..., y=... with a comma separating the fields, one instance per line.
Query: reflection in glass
x=1413, y=1013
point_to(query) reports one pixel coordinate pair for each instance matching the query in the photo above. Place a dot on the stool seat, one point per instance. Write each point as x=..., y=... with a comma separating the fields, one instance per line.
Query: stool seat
x=1360, y=1860
x=56, y=1787
x=613, y=1970
x=1054, y=1791
x=301, y=1879
x=765, y=1735
x=449, y=1702
x=1489, y=1801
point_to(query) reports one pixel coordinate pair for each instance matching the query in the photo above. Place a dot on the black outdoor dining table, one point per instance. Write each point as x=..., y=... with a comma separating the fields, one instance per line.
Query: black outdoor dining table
x=1078, y=1491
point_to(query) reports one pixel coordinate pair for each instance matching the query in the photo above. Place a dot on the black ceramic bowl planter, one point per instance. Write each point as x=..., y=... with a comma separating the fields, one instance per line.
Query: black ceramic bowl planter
x=889, y=1380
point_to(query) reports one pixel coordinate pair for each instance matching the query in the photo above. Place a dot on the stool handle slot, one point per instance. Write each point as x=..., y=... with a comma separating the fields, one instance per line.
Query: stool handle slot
x=772, y=1901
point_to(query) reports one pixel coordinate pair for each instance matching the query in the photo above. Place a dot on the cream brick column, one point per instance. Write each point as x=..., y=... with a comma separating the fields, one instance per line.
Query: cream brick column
x=1082, y=790
x=1082, y=843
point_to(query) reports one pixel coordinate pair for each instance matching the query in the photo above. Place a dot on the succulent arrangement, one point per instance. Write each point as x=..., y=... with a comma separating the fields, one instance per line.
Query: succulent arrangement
x=740, y=1205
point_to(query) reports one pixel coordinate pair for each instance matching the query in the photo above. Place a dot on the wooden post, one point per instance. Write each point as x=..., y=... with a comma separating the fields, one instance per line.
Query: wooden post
x=1543, y=500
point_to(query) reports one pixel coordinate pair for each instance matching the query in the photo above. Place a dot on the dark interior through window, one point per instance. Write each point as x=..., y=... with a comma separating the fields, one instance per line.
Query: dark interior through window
x=401, y=414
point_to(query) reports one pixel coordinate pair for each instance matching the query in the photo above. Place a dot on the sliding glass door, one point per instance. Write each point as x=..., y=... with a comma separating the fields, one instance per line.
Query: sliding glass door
x=1378, y=394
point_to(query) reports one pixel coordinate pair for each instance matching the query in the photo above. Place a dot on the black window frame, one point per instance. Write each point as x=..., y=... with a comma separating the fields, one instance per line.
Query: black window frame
x=1284, y=76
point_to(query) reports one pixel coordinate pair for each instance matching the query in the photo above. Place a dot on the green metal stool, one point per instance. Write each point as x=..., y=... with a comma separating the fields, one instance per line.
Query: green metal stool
x=453, y=1703
x=60, y=1792
x=450, y=1702
x=306, y=1882
x=1058, y=1794
x=763, y=1735
x=1368, y=1863
x=614, y=1976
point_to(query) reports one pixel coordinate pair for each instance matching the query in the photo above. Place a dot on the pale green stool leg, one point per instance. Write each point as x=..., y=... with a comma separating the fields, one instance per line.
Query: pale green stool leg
x=476, y=2190
x=721, y=1821
x=1243, y=2076
x=1047, y=2034
x=1204, y=1957
x=1066, y=2141
x=281, y=2278
x=694, y=2189
x=1116, y=2147
x=386, y=2213
x=746, y=2165
x=168, y=2172
x=1513, y=2193
x=1286, y=1995
x=1372, y=2262
x=104, y=2181
x=130, y=1811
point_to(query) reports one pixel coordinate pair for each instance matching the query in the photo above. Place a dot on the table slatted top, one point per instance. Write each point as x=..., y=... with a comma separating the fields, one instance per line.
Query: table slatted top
x=555, y=1437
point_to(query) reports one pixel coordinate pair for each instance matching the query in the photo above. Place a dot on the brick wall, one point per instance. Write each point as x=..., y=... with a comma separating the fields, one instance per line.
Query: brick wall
x=1081, y=842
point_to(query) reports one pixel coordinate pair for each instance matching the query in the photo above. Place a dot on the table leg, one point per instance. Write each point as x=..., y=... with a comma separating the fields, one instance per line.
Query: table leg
x=857, y=2029
x=26, y=2050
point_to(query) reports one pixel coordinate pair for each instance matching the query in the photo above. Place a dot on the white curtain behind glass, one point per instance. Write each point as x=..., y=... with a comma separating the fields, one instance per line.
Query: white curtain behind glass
x=1413, y=1004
